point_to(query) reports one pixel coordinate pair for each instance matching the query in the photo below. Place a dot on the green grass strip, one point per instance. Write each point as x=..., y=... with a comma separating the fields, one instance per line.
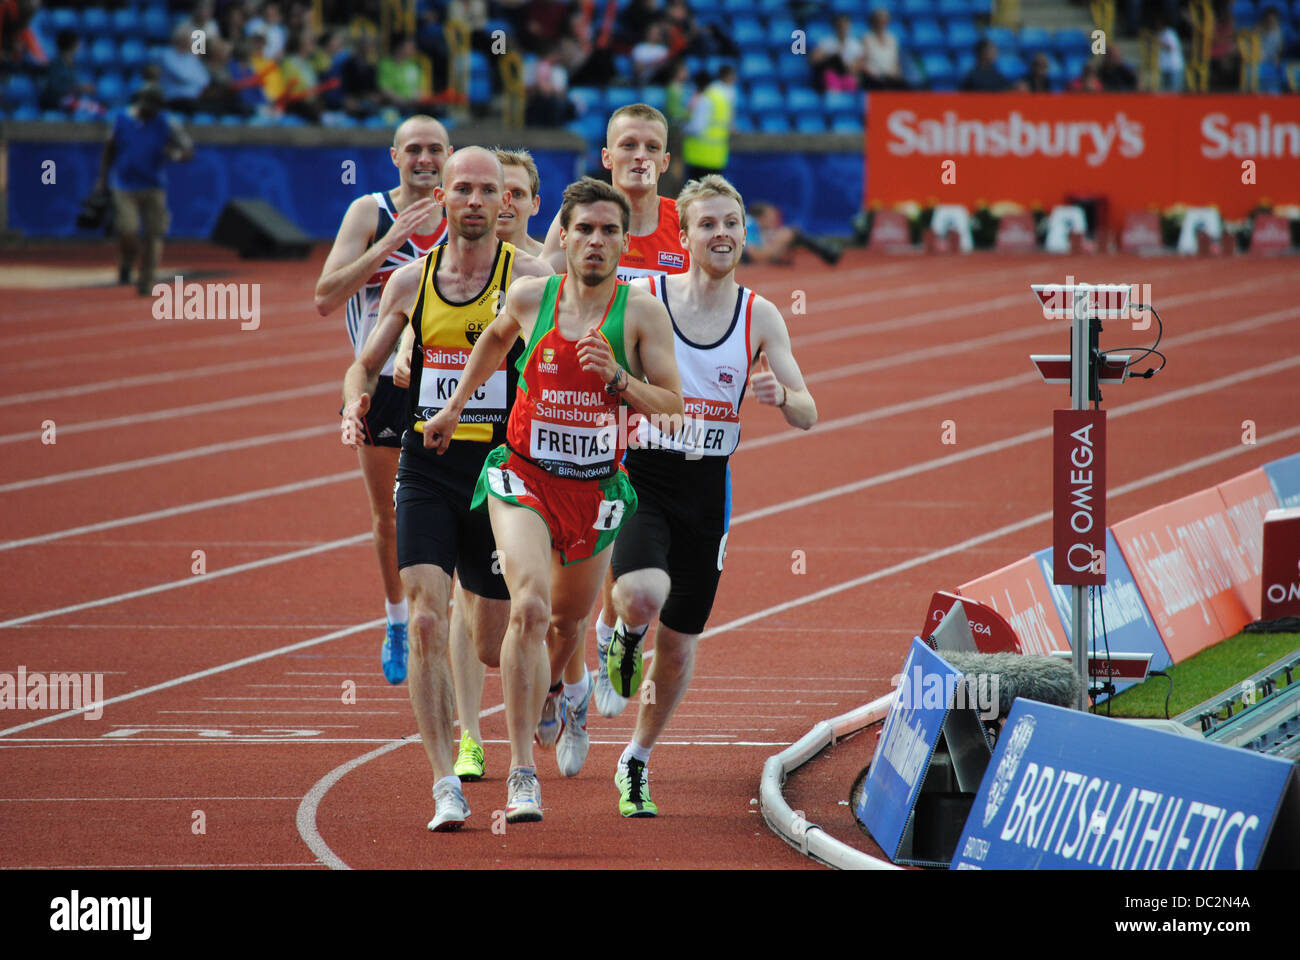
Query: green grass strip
x=1210, y=672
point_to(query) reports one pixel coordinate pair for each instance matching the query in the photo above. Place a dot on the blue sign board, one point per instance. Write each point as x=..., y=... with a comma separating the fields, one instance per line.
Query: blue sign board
x=906, y=744
x=1128, y=623
x=1284, y=475
x=1072, y=790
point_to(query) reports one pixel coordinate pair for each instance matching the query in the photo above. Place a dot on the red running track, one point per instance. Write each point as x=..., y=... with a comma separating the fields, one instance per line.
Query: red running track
x=225, y=707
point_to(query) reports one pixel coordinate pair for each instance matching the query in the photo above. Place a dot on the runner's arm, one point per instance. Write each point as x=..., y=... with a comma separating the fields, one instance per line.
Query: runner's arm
x=351, y=261
x=652, y=356
x=361, y=378
x=778, y=380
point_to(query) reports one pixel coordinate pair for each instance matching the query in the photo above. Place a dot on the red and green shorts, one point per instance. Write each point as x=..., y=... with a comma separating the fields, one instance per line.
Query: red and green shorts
x=583, y=515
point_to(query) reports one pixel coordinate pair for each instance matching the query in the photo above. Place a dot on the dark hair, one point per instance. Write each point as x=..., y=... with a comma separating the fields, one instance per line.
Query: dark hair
x=66, y=40
x=589, y=190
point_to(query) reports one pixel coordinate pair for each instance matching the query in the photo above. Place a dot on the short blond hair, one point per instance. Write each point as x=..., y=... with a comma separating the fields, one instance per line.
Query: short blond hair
x=637, y=111
x=521, y=158
x=713, y=185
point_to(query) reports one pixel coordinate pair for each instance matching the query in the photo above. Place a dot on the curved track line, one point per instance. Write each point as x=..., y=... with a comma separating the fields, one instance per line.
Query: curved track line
x=306, y=818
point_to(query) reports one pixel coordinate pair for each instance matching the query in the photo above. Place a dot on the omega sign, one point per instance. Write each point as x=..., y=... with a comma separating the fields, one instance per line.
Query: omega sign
x=1079, y=497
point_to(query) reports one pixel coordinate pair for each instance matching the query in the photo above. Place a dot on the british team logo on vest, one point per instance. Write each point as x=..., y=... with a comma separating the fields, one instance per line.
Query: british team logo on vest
x=669, y=259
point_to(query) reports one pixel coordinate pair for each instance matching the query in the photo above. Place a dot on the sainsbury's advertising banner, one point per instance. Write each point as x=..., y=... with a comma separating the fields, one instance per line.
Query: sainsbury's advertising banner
x=1137, y=149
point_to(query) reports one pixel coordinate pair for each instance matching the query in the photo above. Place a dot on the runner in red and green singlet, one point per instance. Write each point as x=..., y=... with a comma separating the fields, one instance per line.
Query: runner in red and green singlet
x=556, y=490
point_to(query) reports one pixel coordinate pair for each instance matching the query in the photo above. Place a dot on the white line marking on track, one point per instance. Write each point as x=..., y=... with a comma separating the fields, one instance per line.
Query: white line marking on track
x=126, y=799
x=181, y=510
x=169, y=376
x=173, y=413
x=163, y=866
x=180, y=455
x=199, y=675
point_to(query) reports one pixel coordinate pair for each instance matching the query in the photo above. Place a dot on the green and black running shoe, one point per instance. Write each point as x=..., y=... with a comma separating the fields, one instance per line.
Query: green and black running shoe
x=633, y=782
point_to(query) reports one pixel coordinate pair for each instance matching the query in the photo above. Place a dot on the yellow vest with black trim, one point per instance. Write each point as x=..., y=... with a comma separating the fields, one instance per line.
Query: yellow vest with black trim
x=445, y=333
x=710, y=148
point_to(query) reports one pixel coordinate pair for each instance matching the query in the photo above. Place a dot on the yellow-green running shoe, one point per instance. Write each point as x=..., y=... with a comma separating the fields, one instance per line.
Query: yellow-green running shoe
x=623, y=660
x=469, y=759
x=633, y=782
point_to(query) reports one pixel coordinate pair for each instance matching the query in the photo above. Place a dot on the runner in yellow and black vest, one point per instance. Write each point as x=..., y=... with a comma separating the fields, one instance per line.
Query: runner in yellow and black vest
x=449, y=297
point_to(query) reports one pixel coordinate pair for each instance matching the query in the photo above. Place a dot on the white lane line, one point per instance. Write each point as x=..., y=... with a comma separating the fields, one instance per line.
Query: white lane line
x=170, y=376
x=194, y=410
x=306, y=816
x=162, y=866
x=125, y=799
x=996, y=446
x=192, y=581
x=199, y=675
x=1189, y=466
x=287, y=436
x=183, y=509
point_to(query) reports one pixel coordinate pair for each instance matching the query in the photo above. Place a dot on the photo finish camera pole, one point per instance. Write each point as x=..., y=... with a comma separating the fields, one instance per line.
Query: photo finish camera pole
x=1079, y=449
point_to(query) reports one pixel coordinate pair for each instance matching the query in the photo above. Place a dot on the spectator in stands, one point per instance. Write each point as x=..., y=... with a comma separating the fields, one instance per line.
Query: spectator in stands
x=547, y=103
x=401, y=79
x=1225, y=58
x=706, y=145
x=221, y=95
x=837, y=60
x=1087, y=81
x=234, y=25
x=431, y=40
x=245, y=80
x=270, y=23
x=360, y=75
x=679, y=98
x=268, y=69
x=634, y=22
x=301, y=96
x=1271, y=41
x=140, y=142
x=183, y=75
x=328, y=56
x=61, y=89
x=1115, y=74
x=543, y=23
x=201, y=18
x=880, y=65
x=1169, y=58
x=1037, y=81
x=589, y=62
x=651, y=55
x=19, y=46
x=985, y=77
x=684, y=35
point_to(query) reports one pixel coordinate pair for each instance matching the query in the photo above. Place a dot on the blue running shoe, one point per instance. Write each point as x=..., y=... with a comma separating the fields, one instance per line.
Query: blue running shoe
x=393, y=658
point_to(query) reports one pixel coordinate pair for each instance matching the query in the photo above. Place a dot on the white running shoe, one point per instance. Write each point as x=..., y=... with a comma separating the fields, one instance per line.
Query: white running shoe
x=451, y=810
x=523, y=796
x=571, y=749
x=608, y=702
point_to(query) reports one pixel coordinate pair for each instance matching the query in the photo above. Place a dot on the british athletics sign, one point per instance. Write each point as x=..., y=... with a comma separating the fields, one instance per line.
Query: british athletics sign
x=1073, y=790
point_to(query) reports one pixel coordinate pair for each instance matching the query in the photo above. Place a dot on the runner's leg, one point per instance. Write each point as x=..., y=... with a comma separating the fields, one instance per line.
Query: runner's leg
x=428, y=588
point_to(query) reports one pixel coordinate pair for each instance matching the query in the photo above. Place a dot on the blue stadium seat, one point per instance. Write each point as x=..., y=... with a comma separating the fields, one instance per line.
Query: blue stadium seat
x=480, y=78
x=911, y=9
x=927, y=37
x=774, y=123
x=756, y=67
x=748, y=34
x=26, y=113
x=962, y=35
x=1244, y=14
x=850, y=7
x=103, y=53
x=591, y=128
x=793, y=70
x=1072, y=67
x=20, y=90
x=818, y=30
x=1004, y=39
x=156, y=24
x=774, y=7
x=1035, y=40
x=965, y=63
x=656, y=97
x=742, y=123
x=840, y=104
x=899, y=30
x=93, y=20
x=234, y=120
x=586, y=99
x=1073, y=43
x=779, y=31
x=1271, y=78
x=1011, y=66
x=61, y=18
x=765, y=98
x=714, y=64
x=111, y=88
x=948, y=9
x=981, y=8
x=846, y=125
x=938, y=69
x=202, y=119
x=799, y=100
x=809, y=123
x=132, y=53
x=53, y=116
x=737, y=6
x=126, y=22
